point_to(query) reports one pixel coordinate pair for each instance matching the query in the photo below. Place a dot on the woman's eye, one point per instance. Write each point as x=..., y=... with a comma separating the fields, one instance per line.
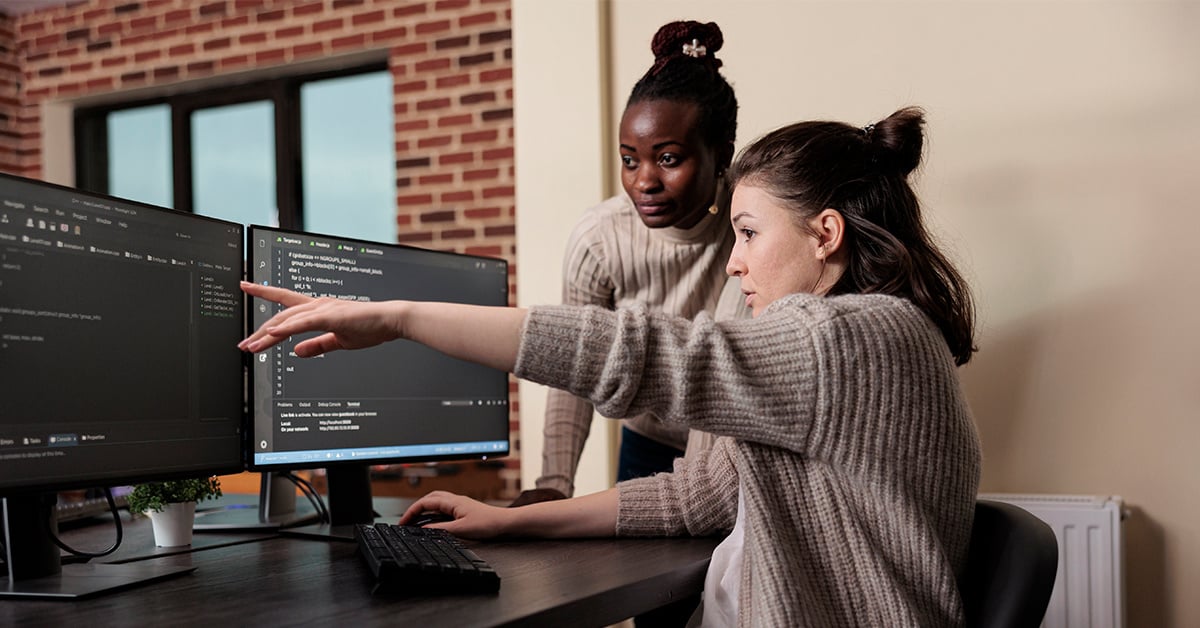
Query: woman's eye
x=749, y=233
x=627, y=161
x=669, y=159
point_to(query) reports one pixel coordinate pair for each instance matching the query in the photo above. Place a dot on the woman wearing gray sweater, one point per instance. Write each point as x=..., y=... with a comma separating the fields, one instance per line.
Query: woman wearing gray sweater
x=847, y=465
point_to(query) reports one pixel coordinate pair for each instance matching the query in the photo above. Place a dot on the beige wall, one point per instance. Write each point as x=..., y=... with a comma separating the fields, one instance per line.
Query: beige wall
x=1061, y=173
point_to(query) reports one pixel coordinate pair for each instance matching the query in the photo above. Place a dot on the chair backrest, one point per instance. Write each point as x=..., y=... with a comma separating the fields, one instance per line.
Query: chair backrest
x=1011, y=567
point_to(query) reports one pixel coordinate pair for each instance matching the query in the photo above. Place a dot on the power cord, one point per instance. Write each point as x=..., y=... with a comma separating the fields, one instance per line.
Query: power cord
x=79, y=556
x=311, y=493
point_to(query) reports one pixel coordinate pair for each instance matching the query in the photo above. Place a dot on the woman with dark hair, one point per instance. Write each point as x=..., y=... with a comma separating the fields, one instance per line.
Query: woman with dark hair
x=662, y=243
x=847, y=462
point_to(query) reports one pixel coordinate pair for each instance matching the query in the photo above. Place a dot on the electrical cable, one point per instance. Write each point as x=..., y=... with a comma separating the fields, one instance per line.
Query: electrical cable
x=112, y=506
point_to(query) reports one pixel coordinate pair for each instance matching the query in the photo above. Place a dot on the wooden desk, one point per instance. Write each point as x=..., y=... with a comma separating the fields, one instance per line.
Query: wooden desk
x=289, y=581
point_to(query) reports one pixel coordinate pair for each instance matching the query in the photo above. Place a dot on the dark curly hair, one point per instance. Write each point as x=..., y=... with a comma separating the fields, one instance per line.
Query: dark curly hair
x=686, y=69
x=863, y=173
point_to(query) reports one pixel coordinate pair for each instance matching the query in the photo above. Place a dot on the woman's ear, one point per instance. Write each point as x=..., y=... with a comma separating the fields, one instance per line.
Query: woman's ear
x=829, y=226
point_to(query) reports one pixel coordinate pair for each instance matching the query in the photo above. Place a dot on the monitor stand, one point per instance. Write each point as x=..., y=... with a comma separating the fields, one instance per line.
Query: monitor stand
x=350, y=503
x=35, y=569
x=277, y=509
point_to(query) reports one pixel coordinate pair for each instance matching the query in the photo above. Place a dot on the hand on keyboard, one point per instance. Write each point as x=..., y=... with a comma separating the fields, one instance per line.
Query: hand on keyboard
x=422, y=560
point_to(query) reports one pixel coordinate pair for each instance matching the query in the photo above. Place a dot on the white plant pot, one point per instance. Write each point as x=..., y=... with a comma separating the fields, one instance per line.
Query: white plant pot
x=173, y=526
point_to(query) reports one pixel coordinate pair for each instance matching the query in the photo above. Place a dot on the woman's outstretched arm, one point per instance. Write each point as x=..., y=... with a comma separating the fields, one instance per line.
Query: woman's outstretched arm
x=489, y=336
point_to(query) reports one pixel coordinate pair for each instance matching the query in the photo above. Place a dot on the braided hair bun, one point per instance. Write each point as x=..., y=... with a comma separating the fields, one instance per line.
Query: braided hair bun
x=686, y=40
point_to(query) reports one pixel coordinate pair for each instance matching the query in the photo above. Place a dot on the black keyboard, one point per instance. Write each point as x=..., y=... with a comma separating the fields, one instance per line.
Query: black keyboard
x=76, y=509
x=422, y=560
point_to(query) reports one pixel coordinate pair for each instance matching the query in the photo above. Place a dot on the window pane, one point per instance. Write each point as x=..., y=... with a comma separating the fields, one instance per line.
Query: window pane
x=233, y=163
x=349, y=157
x=139, y=154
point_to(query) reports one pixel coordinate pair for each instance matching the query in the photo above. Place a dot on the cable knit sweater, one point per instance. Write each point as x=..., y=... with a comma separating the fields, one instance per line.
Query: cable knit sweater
x=612, y=260
x=844, y=419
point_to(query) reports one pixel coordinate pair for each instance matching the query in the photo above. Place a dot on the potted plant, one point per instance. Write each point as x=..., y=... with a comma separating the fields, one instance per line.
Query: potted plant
x=171, y=506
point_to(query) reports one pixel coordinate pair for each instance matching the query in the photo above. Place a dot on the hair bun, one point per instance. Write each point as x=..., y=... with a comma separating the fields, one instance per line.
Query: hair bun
x=689, y=39
x=899, y=138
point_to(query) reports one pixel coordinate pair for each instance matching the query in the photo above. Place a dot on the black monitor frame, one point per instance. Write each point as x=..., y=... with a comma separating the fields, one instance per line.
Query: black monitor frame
x=44, y=223
x=347, y=471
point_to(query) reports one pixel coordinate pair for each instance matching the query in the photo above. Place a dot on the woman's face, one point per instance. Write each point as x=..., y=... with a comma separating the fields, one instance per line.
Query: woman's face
x=772, y=254
x=666, y=168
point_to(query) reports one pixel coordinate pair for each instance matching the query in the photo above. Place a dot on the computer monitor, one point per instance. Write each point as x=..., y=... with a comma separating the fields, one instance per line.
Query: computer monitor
x=399, y=402
x=118, y=363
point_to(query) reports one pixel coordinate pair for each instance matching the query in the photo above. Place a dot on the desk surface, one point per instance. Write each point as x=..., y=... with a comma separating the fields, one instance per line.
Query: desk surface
x=248, y=580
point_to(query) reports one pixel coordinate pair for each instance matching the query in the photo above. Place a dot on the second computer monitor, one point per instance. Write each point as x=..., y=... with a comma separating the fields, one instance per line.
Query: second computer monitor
x=395, y=403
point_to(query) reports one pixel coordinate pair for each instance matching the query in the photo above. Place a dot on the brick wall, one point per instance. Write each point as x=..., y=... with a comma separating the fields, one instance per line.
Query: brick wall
x=450, y=60
x=10, y=78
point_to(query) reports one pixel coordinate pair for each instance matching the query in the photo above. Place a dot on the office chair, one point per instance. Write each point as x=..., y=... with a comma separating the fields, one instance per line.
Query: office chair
x=1011, y=567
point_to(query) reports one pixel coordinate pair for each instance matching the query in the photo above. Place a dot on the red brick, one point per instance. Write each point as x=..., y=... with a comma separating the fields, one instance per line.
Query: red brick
x=455, y=80
x=432, y=65
x=498, y=153
x=166, y=73
x=478, y=97
x=403, y=221
x=201, y=67
x=480, y=214
x=371, y=17
x=236, y=61
x=426, y=28
x=497, y=114
x=270, y=16
x=419, y=236
x=242, y=5
x=477, y=19
x=308, y=9
x=307, y=50
x=500, y=230
x=410, y=86
x=487, y=251
x=109, y=62
x=480, y=136
x=212, y=8
x=237, y=21
x=196, y=29
x=101, y=84
x=456, y=158
x=412, y=9
x=452, y=42
x=410, y=49
x=431, y=142
x=143, y=22
x=270, y=56
x=327, y=25
x=502, y=191
x=290, y=31
x=341, y=4
x=80, y=67
x=455, y=120
x=439, y=216
x=412, y=162
x=432, y=104
x=352, y=41
x=178, y=15
x=398, y=32
x=217, y=44
x=490, y=76
x=414, y=199
x=109, y=28
x=458, y=196
x=182, y=49
x=250, y=39
x=458, y=234
x=479, y=175
x=449, y=5
x=411, y=125
x=66, y=53
x=436, y=179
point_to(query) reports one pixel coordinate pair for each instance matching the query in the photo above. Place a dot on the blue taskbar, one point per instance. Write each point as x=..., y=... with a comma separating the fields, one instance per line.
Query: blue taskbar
x=367, y=453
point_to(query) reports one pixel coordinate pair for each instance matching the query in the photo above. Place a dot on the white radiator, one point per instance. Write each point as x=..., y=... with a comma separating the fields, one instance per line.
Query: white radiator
x=1089, y=591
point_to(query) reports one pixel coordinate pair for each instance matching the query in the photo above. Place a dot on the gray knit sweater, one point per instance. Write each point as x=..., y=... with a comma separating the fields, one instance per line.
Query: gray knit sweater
x=842, y=418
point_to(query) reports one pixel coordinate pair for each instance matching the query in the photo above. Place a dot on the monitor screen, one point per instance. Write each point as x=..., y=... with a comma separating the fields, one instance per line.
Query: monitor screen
x=395, y=403
x=118, y=330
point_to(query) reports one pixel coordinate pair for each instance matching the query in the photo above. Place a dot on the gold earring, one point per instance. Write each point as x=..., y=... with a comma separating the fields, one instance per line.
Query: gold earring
x=713, y=209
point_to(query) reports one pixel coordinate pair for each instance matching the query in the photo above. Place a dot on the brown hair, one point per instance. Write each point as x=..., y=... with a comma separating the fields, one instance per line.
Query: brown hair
x=863, y=173
x=686, y=69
